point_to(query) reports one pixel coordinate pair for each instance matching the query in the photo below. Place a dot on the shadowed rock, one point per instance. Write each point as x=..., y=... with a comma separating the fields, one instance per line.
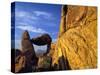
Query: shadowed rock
x=63, y=64
x=28, y=52
x=44, y=39
x=17, y=53
x=44, y=63
x=63, y=20
x=19, y=61
x=26, y=43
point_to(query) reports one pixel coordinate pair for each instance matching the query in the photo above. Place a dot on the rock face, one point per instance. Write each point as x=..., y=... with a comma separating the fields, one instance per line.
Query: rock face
x=27, y=44
x=19, y=64
x=28, y=52
x=45, y=61
x=76, y=47
x=53, y=45
x=19, y=61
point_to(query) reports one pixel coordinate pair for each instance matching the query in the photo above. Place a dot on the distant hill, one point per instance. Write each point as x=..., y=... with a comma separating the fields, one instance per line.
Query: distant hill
x=40, y=52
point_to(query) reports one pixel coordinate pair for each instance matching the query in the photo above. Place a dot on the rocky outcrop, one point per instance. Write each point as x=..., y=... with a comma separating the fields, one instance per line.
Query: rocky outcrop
x=53, y=45
x=26, y=60
x=45, y=61
x=18, y=61
x=29, y=52
x=19, y=64
x=76, y=47
x=27, y=46
x=44, y=39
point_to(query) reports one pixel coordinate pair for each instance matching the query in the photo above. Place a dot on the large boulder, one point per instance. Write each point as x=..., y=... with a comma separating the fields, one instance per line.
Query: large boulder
x=76, y=46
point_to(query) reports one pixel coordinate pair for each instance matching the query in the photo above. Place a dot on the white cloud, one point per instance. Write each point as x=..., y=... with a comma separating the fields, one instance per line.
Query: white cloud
x=42, y=13
x=54, y=40
x=27, y=15
x=34, y=16
x=18, y=44
x=31, y=28
x=21, y=14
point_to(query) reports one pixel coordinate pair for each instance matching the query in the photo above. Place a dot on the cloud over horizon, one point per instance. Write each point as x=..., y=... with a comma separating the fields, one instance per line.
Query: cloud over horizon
x=31, y=29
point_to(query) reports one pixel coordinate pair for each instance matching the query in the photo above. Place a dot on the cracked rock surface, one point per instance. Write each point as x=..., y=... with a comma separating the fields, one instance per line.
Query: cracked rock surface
x=77, y=41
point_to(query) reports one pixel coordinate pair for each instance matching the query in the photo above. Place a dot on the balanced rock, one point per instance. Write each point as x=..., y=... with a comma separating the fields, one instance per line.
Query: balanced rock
x=44, y=39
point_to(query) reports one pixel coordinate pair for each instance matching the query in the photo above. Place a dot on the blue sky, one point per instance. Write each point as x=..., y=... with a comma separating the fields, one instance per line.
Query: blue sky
x=37, y=19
